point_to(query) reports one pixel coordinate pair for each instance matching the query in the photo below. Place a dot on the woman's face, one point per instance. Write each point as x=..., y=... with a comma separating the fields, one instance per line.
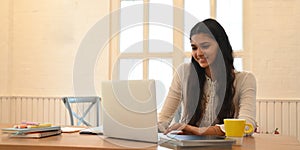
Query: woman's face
x=204, y=49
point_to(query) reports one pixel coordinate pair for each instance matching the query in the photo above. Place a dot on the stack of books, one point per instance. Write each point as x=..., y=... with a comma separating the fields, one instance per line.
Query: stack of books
x=37, y=130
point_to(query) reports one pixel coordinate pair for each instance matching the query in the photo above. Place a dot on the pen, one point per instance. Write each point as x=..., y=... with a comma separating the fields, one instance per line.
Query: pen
x=30, y=123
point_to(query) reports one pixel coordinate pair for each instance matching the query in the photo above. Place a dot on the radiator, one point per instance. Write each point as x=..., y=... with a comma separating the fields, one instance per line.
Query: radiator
x=39, y=109
x=270, y=113
x=279, y=113
x=13, y=110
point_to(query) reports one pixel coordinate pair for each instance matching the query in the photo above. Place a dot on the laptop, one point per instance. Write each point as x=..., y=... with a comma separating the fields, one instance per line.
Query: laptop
x=130, y=110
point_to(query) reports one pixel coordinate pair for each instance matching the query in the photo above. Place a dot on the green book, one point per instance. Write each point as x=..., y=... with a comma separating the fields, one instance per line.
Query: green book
x=37, y=134
x=29, y=130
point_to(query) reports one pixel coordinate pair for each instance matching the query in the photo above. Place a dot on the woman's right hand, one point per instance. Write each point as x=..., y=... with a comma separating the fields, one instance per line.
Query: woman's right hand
x=180, y=128
x=176, y=128
x=162, y=126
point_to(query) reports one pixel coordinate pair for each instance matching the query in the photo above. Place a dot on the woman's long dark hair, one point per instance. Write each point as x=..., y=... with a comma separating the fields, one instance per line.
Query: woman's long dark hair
x=226, y=107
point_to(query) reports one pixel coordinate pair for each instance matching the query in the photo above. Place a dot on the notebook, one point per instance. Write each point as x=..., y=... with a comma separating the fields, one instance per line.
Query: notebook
x=195, y=140
x=129, y=110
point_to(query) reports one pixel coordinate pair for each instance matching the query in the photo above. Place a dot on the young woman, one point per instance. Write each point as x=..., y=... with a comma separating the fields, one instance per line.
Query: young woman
x=209, y=89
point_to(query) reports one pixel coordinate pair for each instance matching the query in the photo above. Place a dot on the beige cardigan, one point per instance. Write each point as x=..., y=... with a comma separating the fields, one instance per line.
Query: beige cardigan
x=244, y=98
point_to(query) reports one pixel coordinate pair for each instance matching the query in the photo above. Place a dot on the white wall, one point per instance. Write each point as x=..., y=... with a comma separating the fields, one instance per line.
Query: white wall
x=39, y=41
x=46, y=36
x=274, y=44
x=4, y=46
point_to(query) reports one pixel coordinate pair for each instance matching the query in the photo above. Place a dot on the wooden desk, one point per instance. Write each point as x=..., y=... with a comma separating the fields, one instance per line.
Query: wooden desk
x=75, y=141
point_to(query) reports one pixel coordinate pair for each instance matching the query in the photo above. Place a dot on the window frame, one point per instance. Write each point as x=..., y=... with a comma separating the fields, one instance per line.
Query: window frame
x=178, y=39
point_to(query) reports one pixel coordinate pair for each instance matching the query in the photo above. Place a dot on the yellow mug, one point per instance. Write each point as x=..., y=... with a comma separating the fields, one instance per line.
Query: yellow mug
x=236, y=127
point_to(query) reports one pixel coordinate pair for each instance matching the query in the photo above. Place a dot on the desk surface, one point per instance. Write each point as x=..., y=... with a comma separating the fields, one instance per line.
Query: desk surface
x=75, y=141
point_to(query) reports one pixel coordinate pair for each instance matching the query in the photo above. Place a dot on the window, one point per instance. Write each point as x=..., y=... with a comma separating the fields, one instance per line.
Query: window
x=191, y=9
x=152, y=43
x=230, y=15
x=146, y=44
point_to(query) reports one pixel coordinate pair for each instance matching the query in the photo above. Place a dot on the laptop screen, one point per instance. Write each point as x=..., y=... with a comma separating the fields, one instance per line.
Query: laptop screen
x=129, y=110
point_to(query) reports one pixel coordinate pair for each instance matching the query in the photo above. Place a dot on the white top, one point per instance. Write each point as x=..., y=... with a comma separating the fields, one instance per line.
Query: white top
x=210, y=95
x=244, y=98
